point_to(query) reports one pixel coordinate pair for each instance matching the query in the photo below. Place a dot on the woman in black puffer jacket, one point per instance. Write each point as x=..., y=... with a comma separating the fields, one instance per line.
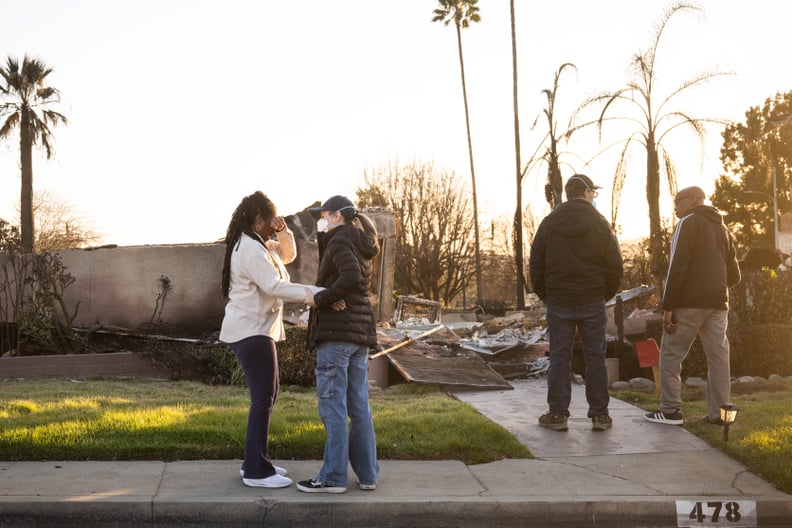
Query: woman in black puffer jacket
x=342, y=339
x=345, y=254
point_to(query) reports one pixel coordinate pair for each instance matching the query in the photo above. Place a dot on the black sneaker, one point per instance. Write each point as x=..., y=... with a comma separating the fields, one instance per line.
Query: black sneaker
x=601, y=422
x=707, y=420
x=315, y=485
x=665, y=418
x=556, y=422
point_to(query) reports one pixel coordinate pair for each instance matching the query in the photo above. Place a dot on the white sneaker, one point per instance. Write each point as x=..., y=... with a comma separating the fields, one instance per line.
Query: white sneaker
x=275, y=481
x=278, y=471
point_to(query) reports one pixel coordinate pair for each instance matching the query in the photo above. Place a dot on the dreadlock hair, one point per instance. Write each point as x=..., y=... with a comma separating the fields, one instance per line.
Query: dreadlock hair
x=242, y=222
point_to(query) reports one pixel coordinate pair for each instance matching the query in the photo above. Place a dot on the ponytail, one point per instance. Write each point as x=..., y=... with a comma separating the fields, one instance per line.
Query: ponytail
x=368, y=227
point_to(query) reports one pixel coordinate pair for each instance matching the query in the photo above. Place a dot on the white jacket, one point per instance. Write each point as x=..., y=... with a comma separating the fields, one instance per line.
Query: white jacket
x=259, y=284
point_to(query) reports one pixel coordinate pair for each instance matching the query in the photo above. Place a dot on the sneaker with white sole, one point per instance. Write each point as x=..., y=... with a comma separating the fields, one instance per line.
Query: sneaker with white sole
x=278, y=471
x=315, y=485
x=665, y=418
x=367, y=487
x=275, y=481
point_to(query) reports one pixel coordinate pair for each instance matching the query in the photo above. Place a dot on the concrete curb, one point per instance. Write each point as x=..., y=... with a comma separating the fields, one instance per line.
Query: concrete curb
x=410, y=493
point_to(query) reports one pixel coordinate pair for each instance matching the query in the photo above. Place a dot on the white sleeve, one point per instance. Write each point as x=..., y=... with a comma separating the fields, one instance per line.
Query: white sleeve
x=263, y=273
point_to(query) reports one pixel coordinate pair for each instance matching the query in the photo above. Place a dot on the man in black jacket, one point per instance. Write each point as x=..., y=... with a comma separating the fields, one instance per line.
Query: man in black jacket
x=702, y=267
x=576, y=266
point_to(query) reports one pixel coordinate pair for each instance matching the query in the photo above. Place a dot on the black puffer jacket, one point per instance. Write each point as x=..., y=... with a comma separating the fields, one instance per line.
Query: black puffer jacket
x=345, y=272
x=703, y=264
x=575, y=257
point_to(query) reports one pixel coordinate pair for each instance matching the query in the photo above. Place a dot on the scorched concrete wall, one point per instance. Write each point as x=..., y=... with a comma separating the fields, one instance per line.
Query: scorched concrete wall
x=119, y=286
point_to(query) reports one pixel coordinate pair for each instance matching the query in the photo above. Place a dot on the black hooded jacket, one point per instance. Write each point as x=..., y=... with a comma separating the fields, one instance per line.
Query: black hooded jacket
x=575, y=257
x=345, y=255
x=703, y=262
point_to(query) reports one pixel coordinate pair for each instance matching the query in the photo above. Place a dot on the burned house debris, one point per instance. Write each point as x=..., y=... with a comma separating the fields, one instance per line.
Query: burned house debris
x=457, y=352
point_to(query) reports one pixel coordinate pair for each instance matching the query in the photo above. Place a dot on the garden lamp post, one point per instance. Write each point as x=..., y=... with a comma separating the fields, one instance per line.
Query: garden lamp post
x=728, y=414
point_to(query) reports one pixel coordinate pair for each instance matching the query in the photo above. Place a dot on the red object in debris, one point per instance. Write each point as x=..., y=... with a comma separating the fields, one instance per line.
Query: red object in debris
x=648, y=353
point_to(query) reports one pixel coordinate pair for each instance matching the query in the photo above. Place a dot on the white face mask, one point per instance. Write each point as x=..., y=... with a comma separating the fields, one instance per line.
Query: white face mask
x=322, y=225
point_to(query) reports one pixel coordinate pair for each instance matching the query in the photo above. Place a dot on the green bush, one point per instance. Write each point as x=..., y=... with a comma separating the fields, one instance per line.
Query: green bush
x=296, y=364
x=763, y=297
x=768, y=349
x=214, y=363
x=761, y=312
x=210, y=363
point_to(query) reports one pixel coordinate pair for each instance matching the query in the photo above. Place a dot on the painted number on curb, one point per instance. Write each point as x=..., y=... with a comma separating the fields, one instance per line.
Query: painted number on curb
x=716, y=514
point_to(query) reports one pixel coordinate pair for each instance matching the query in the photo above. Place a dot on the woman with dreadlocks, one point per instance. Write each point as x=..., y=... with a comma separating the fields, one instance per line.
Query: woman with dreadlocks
x=256, y=283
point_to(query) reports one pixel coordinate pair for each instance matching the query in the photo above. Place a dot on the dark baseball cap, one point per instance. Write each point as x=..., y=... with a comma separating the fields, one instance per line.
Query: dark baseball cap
x=334, y=203
x=581, y=181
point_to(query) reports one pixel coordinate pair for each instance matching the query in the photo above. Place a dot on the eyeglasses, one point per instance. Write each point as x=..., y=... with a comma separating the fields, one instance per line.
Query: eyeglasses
x=594, y=193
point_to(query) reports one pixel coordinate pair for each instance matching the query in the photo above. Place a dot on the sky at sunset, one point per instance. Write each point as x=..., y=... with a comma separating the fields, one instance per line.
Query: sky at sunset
x=179, y=108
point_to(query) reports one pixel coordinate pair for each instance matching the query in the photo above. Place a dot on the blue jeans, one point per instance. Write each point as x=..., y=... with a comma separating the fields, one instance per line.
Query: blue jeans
x=589, y=320
x=342, y=389
x=259, y=360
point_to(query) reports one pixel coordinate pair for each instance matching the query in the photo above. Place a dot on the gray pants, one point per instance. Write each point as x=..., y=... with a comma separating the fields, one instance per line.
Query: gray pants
x=711, y=326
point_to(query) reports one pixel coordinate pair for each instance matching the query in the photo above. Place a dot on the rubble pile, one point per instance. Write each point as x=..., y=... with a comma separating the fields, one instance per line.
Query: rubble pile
x=513, y=346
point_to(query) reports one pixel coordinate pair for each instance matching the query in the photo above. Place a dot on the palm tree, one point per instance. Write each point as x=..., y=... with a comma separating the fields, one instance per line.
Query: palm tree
x=24, y=105
x=462, y=13
x=518, y=231
x=655, y=122
x=551, y=155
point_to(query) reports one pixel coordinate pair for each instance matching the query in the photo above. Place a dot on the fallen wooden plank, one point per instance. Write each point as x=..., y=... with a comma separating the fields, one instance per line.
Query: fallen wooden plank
x=407, y=342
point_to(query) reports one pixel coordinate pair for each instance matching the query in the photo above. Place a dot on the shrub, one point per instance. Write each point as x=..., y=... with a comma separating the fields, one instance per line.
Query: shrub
x=767, y=349
x=296, y=364
x=761, y=312
x=763, y=297
x=214, y=363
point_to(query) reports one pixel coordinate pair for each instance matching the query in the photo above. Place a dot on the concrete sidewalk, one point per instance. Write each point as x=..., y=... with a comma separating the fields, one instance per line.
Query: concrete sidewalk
x=637, y=474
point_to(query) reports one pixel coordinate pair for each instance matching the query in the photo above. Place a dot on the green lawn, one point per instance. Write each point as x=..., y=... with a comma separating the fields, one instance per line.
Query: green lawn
x=160, y=420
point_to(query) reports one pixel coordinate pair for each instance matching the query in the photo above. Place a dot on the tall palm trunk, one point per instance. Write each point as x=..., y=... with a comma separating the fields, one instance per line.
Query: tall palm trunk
x=26, y=193
x=554, y=173
x=472, y=170
x=518, y=232
x=653, y=200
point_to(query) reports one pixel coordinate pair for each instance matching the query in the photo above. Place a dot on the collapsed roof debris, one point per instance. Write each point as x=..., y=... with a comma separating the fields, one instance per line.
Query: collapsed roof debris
x=480, y=354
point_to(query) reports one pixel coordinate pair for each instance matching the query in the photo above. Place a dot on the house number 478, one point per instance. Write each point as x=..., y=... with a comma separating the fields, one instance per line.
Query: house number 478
x=731, y=509
x=716, y=513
